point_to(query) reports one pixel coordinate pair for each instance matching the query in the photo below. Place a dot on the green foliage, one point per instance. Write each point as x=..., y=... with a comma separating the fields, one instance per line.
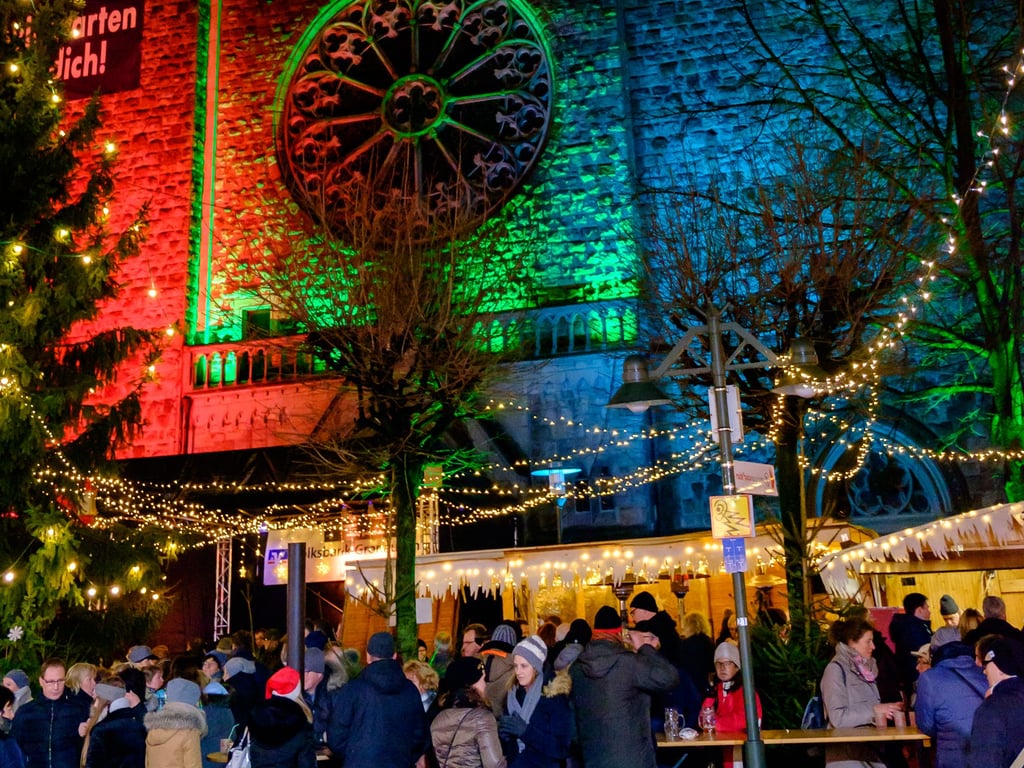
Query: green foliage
x=58, y=258
x=786, y=671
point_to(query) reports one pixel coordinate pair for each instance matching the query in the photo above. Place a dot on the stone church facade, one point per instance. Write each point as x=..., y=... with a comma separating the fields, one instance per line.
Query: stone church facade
x=221, y=88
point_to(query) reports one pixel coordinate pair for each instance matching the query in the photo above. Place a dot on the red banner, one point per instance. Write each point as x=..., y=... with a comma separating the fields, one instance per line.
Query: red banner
x=106, y=54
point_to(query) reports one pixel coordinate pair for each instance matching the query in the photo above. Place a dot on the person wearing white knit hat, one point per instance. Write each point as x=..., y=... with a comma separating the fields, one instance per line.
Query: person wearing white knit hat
x=534, y=699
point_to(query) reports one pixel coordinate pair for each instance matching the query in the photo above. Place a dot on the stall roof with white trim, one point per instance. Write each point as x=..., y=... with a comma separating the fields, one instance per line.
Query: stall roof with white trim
x=982, y=539
x=588, y=563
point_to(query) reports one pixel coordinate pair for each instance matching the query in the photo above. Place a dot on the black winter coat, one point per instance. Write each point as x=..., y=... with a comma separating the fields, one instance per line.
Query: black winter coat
x=280, y=736
x=996, y=735
x=117, y=741
x=377, y=719
x=47, y=731
x=611, y=690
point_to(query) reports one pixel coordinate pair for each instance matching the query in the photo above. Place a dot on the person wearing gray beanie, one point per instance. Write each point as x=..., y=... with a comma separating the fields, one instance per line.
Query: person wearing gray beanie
x=16, y=681
x=539, y=700
x=949, y=611
x=175, y=731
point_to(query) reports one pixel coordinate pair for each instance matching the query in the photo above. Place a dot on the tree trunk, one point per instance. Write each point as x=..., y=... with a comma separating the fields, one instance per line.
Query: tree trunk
x=792, y=517
x=404, y=490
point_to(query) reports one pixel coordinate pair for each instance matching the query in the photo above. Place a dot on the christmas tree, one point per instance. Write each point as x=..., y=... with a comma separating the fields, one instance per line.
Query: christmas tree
x=59, y=264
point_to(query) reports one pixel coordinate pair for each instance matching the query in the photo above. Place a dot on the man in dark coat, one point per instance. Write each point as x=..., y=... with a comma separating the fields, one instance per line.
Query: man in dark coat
x=46, y=728
x=377, y=719
x=611, y=690
x=909, y=631
x=996, y=735
x=994, y=623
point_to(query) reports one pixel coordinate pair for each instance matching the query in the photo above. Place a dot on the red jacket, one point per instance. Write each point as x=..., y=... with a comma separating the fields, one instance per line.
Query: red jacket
x=729, y=713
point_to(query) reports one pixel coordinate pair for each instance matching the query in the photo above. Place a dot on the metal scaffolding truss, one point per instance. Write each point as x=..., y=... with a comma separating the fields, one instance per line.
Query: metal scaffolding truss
x=222, y=591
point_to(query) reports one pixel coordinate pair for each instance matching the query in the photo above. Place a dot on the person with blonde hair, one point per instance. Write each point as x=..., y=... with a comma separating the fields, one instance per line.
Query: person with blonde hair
x=698, y=649
x=81, y=679
x=114, y=737
x=426, y=680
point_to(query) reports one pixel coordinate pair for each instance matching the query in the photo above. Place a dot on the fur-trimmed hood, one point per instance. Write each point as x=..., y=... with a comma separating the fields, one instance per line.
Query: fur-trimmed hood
x=559, y=685
x=175, y=716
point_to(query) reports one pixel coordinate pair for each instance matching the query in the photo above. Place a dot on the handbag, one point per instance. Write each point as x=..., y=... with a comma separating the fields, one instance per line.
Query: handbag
x=238, y=755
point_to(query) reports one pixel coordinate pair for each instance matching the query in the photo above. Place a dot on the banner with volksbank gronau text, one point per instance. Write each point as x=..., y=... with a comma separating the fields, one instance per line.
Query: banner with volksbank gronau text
x=325, y=560
x=106, y=52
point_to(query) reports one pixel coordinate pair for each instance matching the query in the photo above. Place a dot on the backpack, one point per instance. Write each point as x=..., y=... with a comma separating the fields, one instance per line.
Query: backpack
x=814, y=712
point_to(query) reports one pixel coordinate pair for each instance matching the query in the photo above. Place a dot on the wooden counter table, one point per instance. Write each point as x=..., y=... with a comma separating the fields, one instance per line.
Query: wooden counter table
x=822, y=736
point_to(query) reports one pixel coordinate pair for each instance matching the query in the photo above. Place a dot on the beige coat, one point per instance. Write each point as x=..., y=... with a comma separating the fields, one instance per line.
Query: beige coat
x=849, y=703
x=466, y=738
x=173, y=737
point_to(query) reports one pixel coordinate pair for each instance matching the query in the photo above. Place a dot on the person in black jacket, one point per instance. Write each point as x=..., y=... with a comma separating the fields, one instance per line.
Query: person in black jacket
x=10, y=752
x=46, y=728
x=377, y=719
x=114, y=737
x=996, y=735
x=994, y=623
x=909, y=631
x=281, y=728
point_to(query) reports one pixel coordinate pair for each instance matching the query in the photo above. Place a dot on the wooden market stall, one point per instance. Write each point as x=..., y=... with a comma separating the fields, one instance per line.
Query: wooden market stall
x=968, y=556
x=684, y=573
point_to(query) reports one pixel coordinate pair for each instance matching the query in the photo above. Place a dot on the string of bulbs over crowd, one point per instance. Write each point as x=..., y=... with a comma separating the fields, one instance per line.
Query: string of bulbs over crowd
x=160, y=505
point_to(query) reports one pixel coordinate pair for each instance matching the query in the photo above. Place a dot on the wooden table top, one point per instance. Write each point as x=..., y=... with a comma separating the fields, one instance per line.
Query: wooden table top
x=798, y=736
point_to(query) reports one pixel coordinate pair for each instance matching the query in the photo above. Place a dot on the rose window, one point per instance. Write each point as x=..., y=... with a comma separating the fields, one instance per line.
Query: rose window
x=449, y=103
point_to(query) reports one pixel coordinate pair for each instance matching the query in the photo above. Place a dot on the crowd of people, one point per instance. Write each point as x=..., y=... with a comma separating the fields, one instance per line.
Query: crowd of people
x=960, y=684
x=570, y=695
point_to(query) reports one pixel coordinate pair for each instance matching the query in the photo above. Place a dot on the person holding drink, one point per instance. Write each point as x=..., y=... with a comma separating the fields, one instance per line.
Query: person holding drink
x=725, y=698
x=850, y=694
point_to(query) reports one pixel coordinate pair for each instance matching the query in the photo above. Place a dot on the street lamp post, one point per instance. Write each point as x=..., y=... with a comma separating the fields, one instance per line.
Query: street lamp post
x=639, y=391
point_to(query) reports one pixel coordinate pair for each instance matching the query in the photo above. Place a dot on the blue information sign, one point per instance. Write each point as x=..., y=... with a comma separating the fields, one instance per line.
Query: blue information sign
x=734, y=552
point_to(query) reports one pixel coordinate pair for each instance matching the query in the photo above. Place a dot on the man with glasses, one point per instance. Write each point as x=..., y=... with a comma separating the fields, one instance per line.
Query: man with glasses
x=47, y=728
x=473, y=638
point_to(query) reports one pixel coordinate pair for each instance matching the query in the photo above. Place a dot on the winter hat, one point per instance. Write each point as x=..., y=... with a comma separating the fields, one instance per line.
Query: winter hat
x=727, y=652
x=183, y=691
x=948, y=606
x=314, y=660
x=121, y=703
x=140, y=653
x=219, y=656
x=213, y=688
x=18, y=676
x=108, y=692
x=579, y=632
x=462, y=672
x=381, y=645
x=503, y=633
x=644, y=601
x=236, y=665
x=1005, y=654
x=285, y=683
x=316, y=639
x=567, y=656
x=134, y=681
x=945, y=635
x=607, y=623
x=534, y=651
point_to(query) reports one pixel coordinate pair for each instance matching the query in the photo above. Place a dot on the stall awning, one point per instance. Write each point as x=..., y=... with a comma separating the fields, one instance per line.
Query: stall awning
x=982, y=539
x=590, y=563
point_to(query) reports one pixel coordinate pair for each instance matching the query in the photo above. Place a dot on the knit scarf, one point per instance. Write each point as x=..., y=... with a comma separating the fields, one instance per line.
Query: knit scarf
x=524, y=710
x=867, y=669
